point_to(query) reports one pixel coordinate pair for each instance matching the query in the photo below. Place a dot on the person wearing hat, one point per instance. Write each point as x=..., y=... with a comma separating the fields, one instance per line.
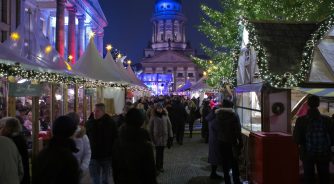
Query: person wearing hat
x=56, y=163
x=229, y=140
x=160, y=129
x=314, y=134
x=133, y=157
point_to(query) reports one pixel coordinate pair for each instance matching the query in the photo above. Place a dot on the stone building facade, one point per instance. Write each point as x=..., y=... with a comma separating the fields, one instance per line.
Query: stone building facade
x=168, y=51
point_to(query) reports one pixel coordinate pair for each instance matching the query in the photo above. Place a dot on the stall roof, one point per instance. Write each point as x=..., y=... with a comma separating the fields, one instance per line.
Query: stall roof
x=110, y=63
x=35, y=45
x=119, y=63
x=90, y=64
x=255, y=87
x=134, y=77
x=200, y=84
x=185, y=87
x=322, y=92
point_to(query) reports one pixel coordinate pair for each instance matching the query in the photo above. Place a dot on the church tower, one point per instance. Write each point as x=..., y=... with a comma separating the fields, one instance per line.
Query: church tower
x=167, y=64
x=168, y=32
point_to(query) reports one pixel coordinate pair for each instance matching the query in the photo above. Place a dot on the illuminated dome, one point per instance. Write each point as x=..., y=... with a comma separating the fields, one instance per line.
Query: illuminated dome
x=162, y=6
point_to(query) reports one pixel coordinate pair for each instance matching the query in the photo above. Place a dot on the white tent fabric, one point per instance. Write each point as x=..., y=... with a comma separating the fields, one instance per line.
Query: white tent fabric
x=7, y=56
x=90, y=64
x=134, y=77
x=34, y=45
x=118, y=95
x=200, y=85
x=110, y=63
x=323, y=62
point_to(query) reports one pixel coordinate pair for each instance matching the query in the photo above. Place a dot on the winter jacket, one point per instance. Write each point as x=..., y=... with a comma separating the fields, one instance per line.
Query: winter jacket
x=301, y=128
x=228, y=127
x=214, y=156
x=180, y=115
x=101, y=133
x=11, y=169
x=160, y=130
x=133, y=158
x=56, y=163
x=22, y=147
x=84, y=153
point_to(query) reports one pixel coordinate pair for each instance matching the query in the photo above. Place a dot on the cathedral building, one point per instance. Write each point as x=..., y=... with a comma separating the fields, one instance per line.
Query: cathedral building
x=167, y=63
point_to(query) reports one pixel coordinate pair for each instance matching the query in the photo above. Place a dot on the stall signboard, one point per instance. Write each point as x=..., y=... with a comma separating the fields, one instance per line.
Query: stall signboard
x=89, y=92
x=25, y=89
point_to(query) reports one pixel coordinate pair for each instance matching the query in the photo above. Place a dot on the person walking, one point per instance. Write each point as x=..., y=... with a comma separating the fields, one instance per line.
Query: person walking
x=11, y=128
x=230, y=140
x=161, y=131
x=191, y=109
x=56, y=163
x=215, y=155
x=82, y=143
x=314, y=134
x=205, y=110
x=133, y=158
x=180, y=117
x=101, y=131
x=11, y=168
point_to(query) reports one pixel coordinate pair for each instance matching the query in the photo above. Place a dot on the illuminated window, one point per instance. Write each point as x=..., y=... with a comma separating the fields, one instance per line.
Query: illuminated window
x=180, y=75
x=190, y=74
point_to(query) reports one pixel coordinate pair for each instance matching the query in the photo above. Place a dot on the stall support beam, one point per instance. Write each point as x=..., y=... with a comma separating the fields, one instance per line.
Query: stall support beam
x=76, y=98
x=11, y=108
x=99, y=92
x=84, y=105
x=53, y=102
x=91, y=103
x=65, y=97
x=35, y=126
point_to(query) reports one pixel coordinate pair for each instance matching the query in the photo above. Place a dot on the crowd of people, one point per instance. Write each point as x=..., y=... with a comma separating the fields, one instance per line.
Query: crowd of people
x=130, y=147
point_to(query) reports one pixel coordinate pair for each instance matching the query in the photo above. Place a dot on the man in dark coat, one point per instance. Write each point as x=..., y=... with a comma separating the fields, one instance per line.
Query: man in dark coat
x=180, y=118
x=56, y=163
x=133, y=158
x=101, y=132
x=230, y=140
x=315, y=130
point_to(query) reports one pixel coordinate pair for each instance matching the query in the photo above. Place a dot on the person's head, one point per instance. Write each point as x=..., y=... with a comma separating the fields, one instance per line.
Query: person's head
x=10, y=126
x=134, y=118
x=74, y=116
x=99, y=110
x=64, y=127
x=227, y=104
x=313, y=101
x=140, y=106
x=22, y=112
x=159, y=108
x=29, y=116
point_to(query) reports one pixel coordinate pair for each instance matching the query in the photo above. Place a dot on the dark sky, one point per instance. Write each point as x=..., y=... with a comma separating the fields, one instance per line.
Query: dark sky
x=130, y=28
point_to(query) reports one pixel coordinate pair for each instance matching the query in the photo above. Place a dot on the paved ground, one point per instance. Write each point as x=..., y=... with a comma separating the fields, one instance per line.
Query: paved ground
x=187, y=164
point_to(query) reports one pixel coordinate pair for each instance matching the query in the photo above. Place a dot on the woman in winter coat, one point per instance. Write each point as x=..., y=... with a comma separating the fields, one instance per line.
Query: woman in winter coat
x=82, y=143
x=161, y=131
x=11, y=128
x=215, y=158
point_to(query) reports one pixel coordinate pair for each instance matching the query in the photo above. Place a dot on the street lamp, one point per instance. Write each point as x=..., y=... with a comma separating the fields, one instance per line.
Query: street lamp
x=129, y=62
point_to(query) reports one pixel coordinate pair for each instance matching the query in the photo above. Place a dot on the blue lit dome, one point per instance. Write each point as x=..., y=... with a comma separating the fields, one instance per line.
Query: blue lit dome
x=168, y=6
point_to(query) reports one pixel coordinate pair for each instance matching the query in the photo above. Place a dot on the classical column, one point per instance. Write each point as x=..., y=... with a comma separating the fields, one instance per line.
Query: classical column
x=99, y=46
x=164, y=31
x=60, y=25
x=71, y=32
x=81, y=34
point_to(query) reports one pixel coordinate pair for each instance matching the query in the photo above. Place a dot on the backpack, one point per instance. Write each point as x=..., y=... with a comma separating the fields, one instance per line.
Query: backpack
x=317, y=138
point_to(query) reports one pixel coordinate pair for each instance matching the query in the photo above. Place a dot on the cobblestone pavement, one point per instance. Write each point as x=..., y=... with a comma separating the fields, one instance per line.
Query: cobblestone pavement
x=187, y=164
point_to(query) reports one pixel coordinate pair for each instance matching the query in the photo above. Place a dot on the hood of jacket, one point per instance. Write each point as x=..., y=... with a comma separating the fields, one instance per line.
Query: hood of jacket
x=225, y=113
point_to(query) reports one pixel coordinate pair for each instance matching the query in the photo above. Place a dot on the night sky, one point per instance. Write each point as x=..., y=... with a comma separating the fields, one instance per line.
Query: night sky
x=130, y=28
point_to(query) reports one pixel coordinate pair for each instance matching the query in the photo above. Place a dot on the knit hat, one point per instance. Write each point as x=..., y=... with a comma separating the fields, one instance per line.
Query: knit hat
x=227, y=104
x=313, y=101
x=64, y=127
x=134, y=117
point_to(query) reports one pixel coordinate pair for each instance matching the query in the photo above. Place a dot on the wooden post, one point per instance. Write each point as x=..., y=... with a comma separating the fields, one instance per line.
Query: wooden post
x=125, y=94
x=11, y=108
x=84, y=105
x=65, y=98
x=76, y=98
x=53, y=102
x=35, y=126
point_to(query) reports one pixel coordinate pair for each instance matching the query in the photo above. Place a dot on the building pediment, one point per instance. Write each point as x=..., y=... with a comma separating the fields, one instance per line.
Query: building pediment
x=168, y=57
